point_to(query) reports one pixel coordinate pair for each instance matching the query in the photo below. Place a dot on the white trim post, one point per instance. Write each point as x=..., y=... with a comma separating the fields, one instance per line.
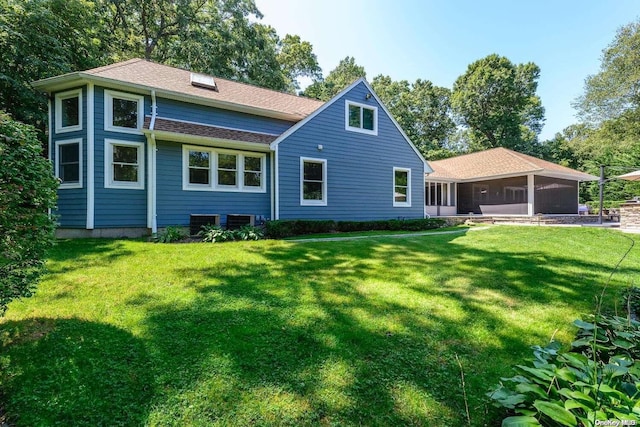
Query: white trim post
x=90, y=158
x=530, y=194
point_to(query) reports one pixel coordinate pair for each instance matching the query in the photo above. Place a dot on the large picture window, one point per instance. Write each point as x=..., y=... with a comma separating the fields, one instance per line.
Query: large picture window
x=68, y=111
x=123, y=112
x=361, y=118
x=68, y=163
x=401, y=187
x=209, y=169
x=124, y=164
x=313, y=182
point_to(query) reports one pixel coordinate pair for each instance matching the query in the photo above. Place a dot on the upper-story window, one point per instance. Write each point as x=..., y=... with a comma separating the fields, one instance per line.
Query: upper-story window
x=123, y=112
x=69, y=111
x=361, y=118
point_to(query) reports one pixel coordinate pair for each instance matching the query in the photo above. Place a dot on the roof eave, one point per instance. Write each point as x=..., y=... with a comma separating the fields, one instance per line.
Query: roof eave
x=207, y=141
x=53, y=84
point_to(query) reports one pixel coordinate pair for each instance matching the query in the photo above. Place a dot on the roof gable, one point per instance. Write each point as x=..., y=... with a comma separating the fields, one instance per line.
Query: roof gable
x=500, y=162
x=176, y=82
x=337, y=97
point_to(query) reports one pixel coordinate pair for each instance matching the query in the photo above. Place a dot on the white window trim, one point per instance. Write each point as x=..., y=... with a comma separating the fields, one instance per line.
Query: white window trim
x=108, y=160
x=406, y=204
x=303, y=201
x=108, y=111
x=347, y=103
x=57, y=162
x=213, y=171
x=66, y=95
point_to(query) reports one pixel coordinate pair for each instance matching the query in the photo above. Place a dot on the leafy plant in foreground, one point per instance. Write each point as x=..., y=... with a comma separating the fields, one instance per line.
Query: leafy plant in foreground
x=214, y=233
x=568, y=388
x=248, y=232
x=171, y=234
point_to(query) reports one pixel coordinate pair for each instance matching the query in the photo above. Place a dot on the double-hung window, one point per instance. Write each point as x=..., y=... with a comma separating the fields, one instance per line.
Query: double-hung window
x=361, y=118
x=124, y=164
x=212, y=169
x=123, y=112
x=401, y=187
x=68, y=163
x=313, y=182
x=68, y=111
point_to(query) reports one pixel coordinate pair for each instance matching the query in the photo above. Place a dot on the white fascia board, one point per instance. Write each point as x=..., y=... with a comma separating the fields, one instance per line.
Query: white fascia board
x=582, y=177
x=66, y=81
x=207, y=141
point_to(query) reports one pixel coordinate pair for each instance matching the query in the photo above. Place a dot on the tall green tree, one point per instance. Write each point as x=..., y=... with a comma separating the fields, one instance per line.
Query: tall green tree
x=423, y=110
x=27, y=191
x=345, y=73
x=496, y=101
x=39, y=39
x=616, y=87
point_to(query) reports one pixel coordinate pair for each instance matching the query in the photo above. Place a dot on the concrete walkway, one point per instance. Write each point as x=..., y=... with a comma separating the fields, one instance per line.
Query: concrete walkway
x=422, y=233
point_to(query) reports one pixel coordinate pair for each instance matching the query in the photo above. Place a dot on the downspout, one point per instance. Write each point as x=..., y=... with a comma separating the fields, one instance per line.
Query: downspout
x=90, y=158
x=152, y=222
x=50, y=141
x=277, y=184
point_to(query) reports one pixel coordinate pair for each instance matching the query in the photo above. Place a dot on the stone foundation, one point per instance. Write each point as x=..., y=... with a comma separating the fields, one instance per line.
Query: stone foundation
x=630, y=216
x=522, y=219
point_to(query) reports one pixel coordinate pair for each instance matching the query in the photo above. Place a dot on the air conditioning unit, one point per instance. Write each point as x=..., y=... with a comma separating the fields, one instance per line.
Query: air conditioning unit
x=235, y=221
x=196, y=221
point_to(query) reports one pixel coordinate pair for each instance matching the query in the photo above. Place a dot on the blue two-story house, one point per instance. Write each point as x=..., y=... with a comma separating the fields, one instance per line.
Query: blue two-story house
x=139, y=146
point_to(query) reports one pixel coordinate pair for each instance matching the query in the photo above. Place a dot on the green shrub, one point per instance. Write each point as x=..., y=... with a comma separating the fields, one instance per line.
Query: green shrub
x=214, y=234
x=571, y=388
x=27, y=190
x=631, y=301
x=287, y=228
x=171, y=234
x=248, y=232
x=594, y=206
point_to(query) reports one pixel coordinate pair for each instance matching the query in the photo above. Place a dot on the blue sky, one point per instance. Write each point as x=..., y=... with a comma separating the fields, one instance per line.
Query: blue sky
x=437, y=40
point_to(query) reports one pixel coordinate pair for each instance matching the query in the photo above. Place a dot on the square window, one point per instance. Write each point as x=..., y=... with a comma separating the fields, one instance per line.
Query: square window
x=361, y=118
x=124, y=112
x=252, y=171
x=227, y=169
x=199, y=167
x=124, y=164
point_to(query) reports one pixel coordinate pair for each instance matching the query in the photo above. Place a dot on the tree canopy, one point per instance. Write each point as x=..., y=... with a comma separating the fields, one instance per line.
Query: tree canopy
x=496, y=101
x=345, y=73
x=616, y=87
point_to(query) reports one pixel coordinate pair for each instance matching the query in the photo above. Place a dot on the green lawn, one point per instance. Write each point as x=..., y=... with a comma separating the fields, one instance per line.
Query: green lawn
x=361, y=332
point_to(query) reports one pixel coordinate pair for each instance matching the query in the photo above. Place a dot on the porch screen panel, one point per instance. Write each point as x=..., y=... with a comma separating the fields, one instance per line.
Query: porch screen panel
x=506, y=196
x=555, y=196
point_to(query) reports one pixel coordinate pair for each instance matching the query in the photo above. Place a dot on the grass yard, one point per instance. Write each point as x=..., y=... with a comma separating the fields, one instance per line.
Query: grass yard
x=361, y=332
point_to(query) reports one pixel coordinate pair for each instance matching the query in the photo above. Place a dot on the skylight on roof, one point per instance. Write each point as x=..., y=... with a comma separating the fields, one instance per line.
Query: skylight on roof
x=202, y=80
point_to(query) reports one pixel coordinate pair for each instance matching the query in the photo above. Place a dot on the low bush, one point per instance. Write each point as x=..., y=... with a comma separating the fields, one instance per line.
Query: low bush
x=598, y=380
x=631, y=301
x=594, y=206
x=287, y=228
x=171, y=235
x=215, y=233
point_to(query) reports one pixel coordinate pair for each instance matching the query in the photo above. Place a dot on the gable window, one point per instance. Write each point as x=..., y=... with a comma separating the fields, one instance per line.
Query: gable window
x=361, y=118
x=313, y=182
x=401, y=187
x=68, y=166
x=124, y=164
x=209, y=169
x=123, y=112
x=69, y=111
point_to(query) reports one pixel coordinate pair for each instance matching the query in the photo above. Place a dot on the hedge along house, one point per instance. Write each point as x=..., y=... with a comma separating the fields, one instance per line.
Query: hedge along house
x=502, y=182
x=139, y=145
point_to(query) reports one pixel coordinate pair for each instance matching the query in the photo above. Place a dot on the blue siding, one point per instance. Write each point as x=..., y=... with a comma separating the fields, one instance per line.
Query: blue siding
x=216, y=117
x=72, y=202
x=174, y=205
x=359, y=167
x=117, y=207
